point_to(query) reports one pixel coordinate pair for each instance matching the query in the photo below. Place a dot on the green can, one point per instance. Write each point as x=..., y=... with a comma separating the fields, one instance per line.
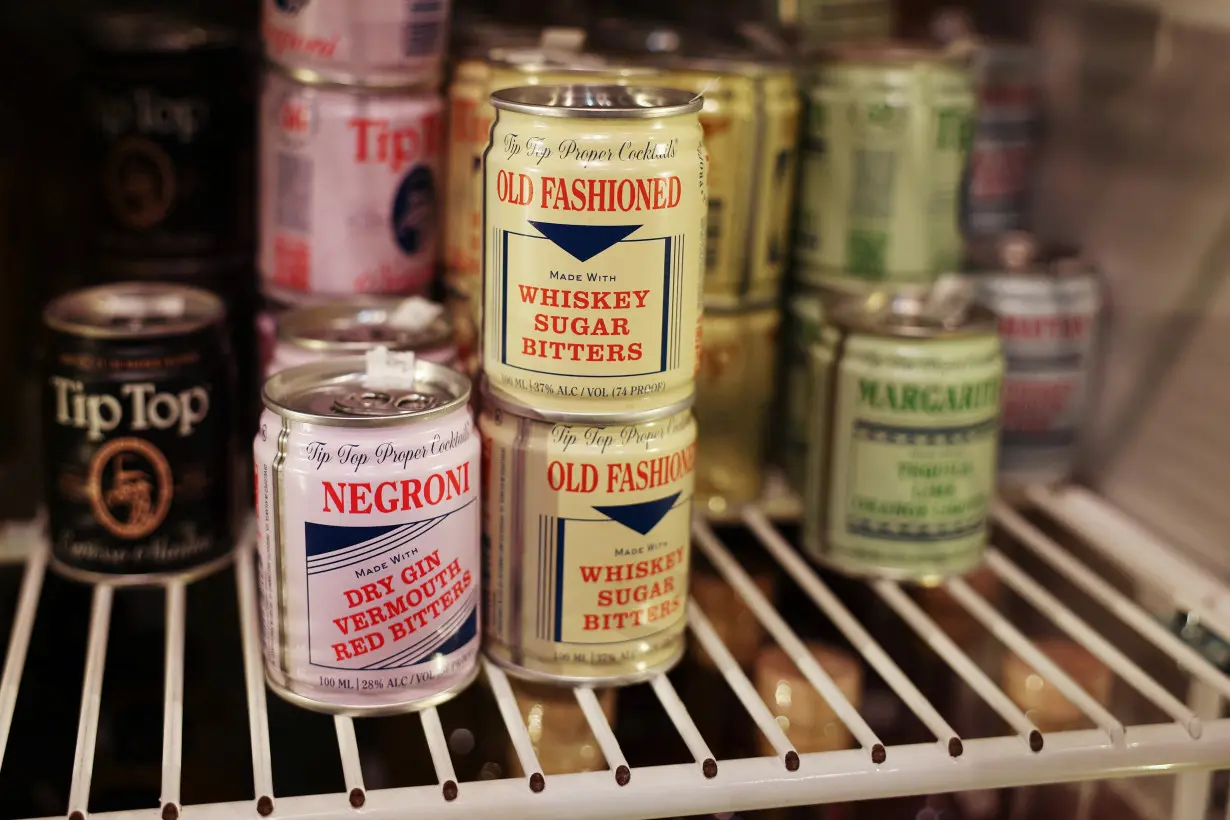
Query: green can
x=886, y=142
x=900, y=474
x=804, y=322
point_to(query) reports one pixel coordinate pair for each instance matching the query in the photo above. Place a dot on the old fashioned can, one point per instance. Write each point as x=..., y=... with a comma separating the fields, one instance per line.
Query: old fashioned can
x=353, y=327
x=470, y=118
x=750, y=124
x=358, y=42
x=1048, y=305
x=137, y=433
x=885, y=145
x=368, y=536
x=348, y=194
x=901, y=474
x=585, y=543
x=1000, y=173
x=792, y=442
x=170, y=105
x=595, y=220
x=734, y=397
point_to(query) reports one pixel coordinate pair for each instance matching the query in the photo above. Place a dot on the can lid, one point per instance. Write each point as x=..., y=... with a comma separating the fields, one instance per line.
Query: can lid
x=136, y=31
x=356, y=326
x=134, y=310
x=335, y=393
x=947, y=311
x=597, y=101
x=492, y=395
x=900, y=52
x=1021, y=252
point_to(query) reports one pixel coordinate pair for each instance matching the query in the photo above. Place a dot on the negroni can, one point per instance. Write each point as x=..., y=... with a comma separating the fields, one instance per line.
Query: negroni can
x=358, y=42
x=999, y=176
x=585, y=543
x=137, y=433
x=368, y=535
x=734, y=394
x=885, y=146
x=170, y=105
x=750, y=123
x=1048, y=305
x=595, y=220
x=901, y=475
x=352, y=328
x=348, y=194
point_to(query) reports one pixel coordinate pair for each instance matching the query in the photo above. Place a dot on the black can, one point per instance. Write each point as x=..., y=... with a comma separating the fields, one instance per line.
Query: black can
x=138, y=446
x=171, y=120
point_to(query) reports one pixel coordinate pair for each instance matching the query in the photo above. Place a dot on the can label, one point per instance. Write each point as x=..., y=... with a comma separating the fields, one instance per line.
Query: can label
x=794, y=436
x=778, y=156
x=358, y=41
x=369, y=559
x=882, y=175
x=586, y=543
x=910, y=467
x=594, y=252
x=998, y=181
x=1048, y=329
x=170, y=138
x=137, y=440
x=348, y=190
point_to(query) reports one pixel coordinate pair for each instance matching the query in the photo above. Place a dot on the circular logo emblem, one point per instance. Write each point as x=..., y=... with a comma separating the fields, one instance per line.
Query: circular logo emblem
x=296, y=117
x=291, y=6
x=140, y=182
x=414, y=211
x=130, y=487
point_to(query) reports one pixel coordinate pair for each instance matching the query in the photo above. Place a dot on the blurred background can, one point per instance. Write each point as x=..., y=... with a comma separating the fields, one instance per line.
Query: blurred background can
x=906, y=422
x=885, y=145
x=349, y=189
x=1048, y=305
x=734, y=395
x=360, y=42
x=137, y=433
x=804, y=322
x=750, y=124
x=170, y=116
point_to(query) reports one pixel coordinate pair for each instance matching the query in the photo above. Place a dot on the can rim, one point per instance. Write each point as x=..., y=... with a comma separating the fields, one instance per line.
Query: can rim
x=605, y=101
x=911, y=317
x=1021, y=253
x=70, y=313
x=293, y=326
x=390, y=84
x=492, y=394
x=900, y=52
x=279, y=391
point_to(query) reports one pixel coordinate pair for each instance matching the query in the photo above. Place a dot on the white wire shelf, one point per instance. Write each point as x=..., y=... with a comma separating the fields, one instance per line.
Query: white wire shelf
x=1192, y=738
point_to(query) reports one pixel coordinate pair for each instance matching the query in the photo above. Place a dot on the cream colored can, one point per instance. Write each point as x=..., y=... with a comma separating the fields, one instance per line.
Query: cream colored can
x=595, y=221
x=586, y=544
x=734, y=394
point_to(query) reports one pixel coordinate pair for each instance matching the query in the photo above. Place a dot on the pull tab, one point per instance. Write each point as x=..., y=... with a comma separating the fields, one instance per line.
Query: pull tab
x=949, y=299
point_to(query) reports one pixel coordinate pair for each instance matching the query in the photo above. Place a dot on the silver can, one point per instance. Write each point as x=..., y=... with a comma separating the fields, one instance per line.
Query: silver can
x=351, y=328
x=367, y=488
x=1048, y=307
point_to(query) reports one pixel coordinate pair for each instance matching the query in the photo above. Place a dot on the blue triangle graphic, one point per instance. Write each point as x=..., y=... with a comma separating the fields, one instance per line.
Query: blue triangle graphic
x=583, y=242
x=641, y=517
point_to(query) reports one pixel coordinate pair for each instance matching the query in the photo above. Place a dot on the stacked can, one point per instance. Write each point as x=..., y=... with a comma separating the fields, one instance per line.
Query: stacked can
x=351, y=148
x=594, y=237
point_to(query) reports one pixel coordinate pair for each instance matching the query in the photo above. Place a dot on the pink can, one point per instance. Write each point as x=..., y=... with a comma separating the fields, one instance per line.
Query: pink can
x=349, y=190
x=353, y=327
x=368, y=536
x=359, y=42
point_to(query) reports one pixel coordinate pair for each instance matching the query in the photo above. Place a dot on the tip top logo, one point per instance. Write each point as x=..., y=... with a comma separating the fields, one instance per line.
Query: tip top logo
x=130, y=487
x=296, y=118
x=291, y=6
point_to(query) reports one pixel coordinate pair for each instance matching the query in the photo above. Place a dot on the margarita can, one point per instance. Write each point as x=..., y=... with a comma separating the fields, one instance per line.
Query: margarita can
x=1048, y=307
x=901, y=476
x=358, y=42
x=367, y=489
x=887, y=136
x=585, y=543
x=595, y=220
x=348, y=192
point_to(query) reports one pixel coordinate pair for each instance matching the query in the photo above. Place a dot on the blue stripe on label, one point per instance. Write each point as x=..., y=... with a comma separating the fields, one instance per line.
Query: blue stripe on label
x=559, y=577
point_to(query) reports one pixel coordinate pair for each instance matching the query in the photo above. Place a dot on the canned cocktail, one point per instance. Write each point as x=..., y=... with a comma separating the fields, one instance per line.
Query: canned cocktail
x=586, y=546
x=595, y=223
x=368, y=536
x=901, y=475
